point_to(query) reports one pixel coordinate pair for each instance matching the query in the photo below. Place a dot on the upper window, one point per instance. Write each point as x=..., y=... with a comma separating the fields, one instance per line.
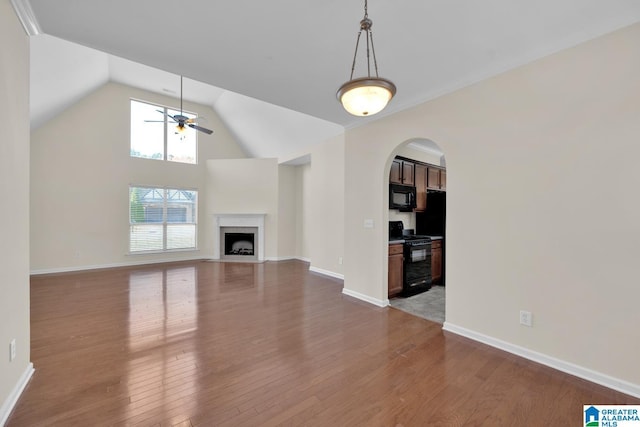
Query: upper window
x=154, y=135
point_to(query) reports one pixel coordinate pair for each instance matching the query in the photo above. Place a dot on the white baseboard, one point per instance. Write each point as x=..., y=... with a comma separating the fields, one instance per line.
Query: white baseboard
x=561, y=365
x=113, y=265
x=365, y=298
x=326, y=272
x=12, y=399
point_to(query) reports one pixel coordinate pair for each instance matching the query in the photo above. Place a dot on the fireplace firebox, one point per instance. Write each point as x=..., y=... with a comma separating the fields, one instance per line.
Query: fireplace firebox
x=241, y=244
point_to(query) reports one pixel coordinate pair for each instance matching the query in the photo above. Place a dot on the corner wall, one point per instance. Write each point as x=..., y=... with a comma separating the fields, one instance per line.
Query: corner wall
x=324, y=208
x=14, y=215
x=542, y=212
x=242, y=186
x=287, y=212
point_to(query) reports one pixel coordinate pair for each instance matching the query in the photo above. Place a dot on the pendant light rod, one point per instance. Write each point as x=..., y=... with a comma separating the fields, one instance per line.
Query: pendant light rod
x=365, y=25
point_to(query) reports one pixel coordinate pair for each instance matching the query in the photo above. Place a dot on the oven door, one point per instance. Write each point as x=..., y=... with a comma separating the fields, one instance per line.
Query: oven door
x=417, y=268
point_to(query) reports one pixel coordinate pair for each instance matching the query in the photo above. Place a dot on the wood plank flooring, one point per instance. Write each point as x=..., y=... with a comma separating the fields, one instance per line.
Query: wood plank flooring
x=236, y=344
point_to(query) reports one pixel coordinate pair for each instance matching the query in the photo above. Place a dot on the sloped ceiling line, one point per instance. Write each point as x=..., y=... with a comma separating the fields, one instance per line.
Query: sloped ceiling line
x=27, y=17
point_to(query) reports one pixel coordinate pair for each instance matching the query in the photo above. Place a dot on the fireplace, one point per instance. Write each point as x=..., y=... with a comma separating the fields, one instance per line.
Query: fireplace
x=239, y=237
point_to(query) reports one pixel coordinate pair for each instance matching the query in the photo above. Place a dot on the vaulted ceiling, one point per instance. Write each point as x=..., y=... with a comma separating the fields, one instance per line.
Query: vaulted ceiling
x=271, y=68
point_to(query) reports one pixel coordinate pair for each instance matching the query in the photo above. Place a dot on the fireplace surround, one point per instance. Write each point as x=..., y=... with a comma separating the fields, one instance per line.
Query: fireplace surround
x=244, y=233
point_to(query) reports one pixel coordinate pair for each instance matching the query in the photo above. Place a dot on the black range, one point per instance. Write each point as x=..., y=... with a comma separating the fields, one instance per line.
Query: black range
x=417, y=259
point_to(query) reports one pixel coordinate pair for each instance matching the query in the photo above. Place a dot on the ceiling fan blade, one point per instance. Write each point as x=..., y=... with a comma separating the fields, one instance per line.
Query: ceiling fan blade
x=200, y=128
x=165, y=114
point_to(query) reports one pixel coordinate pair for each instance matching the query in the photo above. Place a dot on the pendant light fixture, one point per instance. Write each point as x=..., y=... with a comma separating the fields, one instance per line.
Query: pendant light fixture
x=366, y=96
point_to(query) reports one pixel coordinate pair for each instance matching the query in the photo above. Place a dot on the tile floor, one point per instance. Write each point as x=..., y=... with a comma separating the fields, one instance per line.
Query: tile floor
x=428, y=305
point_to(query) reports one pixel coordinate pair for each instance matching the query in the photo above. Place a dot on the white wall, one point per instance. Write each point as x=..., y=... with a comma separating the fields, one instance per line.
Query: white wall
x=80, y=174
x=303, y=207
x=14, y=215
x=324, y=207
x=288, y=203
x=542, y=213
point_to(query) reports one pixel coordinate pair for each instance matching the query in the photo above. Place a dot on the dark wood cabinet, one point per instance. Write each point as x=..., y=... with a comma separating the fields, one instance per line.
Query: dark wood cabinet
x=396, y=259
x=402, y=172
x=436, y=261
x=395, y=175
x=408, y=170
x=420, y=175
x=436, y=178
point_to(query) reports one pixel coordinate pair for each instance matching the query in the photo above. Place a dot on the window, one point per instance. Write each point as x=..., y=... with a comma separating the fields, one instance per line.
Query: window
x=162, y=219
x=154, y=135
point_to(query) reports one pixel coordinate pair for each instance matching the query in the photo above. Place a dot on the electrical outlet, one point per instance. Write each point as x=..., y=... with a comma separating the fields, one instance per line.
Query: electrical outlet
x=12, y=350
x=526, y=318
x=340, y=260
x=368, y=223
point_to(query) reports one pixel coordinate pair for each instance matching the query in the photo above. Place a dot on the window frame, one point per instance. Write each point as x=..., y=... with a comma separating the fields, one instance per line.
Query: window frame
x=165, y=220
x=165, y=126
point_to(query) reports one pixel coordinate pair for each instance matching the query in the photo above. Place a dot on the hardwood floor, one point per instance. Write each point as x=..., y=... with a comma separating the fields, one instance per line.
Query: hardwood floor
x=230, y=344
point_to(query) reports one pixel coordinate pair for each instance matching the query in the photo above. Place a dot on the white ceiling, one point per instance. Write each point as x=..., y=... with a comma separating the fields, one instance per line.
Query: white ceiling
x=271, y=69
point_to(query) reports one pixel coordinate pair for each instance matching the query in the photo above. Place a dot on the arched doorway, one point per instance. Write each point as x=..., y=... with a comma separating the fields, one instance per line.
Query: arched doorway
x=416, y=242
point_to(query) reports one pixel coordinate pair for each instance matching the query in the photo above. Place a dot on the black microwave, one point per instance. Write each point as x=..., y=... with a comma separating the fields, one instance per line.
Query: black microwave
x=402, y=197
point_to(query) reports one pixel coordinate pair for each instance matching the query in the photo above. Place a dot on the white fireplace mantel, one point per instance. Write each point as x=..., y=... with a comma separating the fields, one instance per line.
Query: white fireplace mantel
x=238, y=220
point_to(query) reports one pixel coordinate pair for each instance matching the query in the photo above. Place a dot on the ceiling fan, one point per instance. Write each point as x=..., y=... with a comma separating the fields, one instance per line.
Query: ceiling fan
x=183, y=120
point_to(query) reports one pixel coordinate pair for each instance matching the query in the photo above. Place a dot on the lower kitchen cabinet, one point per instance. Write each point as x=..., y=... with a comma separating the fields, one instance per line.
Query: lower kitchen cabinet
x=396, y=258
x=436, y=261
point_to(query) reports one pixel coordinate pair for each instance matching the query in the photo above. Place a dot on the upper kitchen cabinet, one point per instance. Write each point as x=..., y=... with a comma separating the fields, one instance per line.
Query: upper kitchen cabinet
x=436, y=178
x=402, y=172
x=420, y=175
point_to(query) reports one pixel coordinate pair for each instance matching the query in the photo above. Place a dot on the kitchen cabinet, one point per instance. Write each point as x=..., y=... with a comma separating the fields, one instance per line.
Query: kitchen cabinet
x=395, y=175
x=402, y=172
x=436, y=178
x=436, y=261
x=420, y=174
x=396, y=272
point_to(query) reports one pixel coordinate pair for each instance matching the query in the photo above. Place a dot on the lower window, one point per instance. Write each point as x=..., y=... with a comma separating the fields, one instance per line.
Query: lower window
x=162, y=219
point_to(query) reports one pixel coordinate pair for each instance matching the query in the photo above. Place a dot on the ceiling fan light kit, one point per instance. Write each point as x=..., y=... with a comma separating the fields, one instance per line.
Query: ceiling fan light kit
x=366, y=96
